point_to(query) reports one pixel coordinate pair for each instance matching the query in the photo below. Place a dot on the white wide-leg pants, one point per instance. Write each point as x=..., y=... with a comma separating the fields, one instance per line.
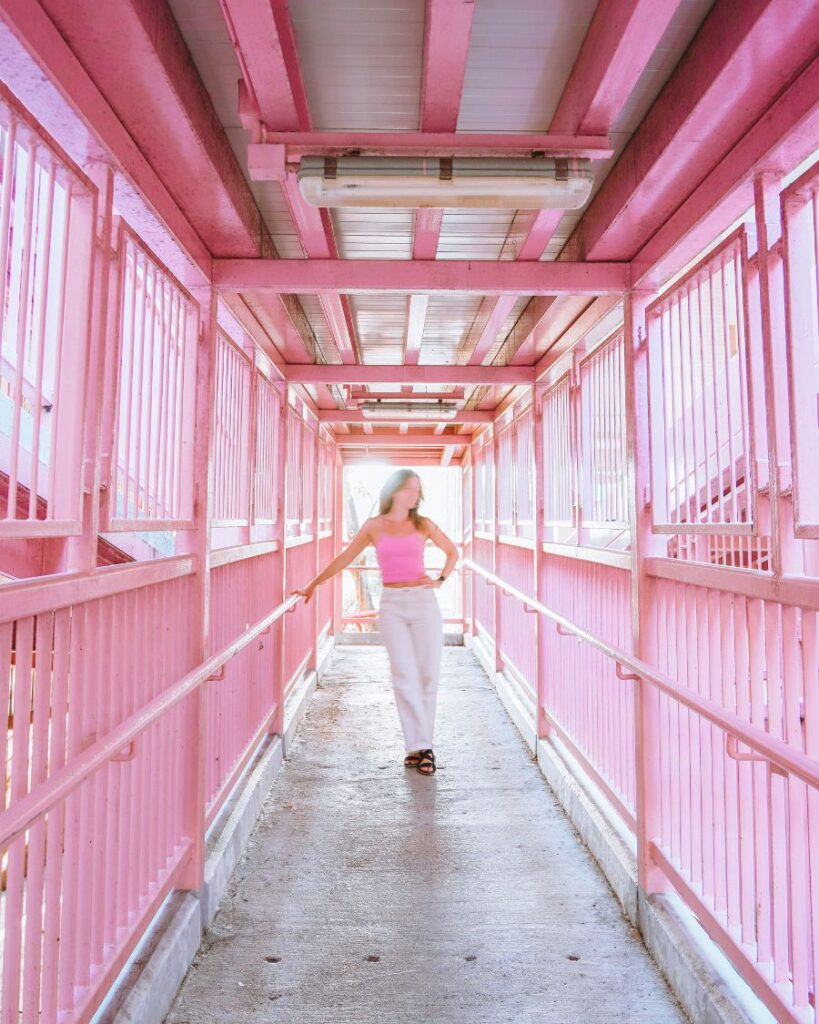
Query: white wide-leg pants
x=411, y=625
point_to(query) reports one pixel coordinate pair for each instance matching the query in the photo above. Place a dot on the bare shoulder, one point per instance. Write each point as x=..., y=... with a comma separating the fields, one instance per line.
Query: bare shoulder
x=428, y=527
x=372, y=526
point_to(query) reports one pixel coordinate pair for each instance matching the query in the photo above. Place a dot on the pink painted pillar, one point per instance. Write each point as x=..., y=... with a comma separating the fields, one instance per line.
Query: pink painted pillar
x=495, y=544
x=197, y=543
x=541, y=665
x=338, y=519
x=644, y=544
x=786, y=550
x=316, y=618
x=80, y=553
x=277, y=722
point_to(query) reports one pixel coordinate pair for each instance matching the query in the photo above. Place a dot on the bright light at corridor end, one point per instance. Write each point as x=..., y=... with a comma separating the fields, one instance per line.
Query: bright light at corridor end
x=537, y=183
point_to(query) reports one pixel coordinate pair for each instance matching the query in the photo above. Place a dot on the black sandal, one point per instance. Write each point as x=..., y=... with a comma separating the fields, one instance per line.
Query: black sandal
x=411, y=760
x=426, y=760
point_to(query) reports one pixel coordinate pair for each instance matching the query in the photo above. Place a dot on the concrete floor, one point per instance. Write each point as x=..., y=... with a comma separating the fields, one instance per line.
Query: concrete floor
x=369, y=894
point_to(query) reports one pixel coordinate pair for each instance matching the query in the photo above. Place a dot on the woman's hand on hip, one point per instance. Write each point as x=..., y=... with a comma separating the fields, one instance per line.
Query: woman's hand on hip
x=430, y=581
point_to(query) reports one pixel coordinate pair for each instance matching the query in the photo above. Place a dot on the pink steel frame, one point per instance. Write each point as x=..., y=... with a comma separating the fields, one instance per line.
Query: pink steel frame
x=139, y=693
x=691, y=697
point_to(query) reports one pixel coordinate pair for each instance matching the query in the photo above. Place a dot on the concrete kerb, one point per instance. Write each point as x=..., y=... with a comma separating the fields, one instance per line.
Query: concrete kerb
x=703, y=979
x=148, y=984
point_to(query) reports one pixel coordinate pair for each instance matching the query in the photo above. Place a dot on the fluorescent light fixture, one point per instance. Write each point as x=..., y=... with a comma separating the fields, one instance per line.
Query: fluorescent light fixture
x=538, y=183
x=382, y=410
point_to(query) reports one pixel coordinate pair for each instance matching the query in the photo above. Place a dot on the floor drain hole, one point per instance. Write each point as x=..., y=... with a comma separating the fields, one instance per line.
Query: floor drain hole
x=470, y=957
x=273, y=959
x=573, y=956
x=373, y=959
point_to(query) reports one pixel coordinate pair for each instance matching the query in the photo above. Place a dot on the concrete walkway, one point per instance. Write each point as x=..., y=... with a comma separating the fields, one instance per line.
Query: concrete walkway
x=369, y=894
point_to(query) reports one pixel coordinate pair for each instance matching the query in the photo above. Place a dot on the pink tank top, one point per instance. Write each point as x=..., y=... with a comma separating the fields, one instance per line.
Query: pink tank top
x=401, y=558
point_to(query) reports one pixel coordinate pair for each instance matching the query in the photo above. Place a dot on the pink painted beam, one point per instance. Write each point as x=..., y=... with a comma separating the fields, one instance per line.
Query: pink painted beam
x=779, y=141
x=356, y=416
x=591, y=316
x=263, y=38
x=706, y=108
x=416, y=318
x=621, y=38
x=307, y=373
x=282, y=148
x=28, y=24
x=542, y=323
x=262, y=34
x=474, y=277
x=426, y=234
x=447, y=28
x=138, y=58
x=408, y=440
x=453, y=395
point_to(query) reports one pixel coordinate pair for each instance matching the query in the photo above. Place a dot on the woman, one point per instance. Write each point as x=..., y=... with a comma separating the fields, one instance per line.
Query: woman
x=409, y=617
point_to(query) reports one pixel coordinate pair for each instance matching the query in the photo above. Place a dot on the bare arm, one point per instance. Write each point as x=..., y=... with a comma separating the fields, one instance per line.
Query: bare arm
x=341, y=561
x=442, y=541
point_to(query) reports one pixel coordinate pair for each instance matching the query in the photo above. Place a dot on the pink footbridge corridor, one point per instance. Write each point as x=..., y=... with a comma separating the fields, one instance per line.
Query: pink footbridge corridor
x=562, y=254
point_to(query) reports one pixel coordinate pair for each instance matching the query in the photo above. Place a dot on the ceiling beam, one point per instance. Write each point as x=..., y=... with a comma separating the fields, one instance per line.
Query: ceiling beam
x=384, y=440
x=265, y=44
x=482, y=277
x=356, y=416
x=136, y=54
x=618, y=45
x=452, y=395
x=308, y=373
x=28, y=34
x=709, y=103
x=447, y=28
x=620, y=40
x=269, y=160
x=778, y=142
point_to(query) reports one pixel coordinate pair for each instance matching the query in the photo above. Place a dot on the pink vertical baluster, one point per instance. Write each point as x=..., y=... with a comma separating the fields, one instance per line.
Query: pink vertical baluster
x=32, y=960
x=44, y=255
x=55, y=862
x=21, y=710
x=21, y=304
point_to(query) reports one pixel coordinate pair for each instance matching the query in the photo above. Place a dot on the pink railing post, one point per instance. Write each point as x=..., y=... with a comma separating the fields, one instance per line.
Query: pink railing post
x=650, y=877
x=496, y=593
x=541, y=664
x=197, y=543
x=277, y=723
x=338, y=513
x=316, y=618
x=80, y=553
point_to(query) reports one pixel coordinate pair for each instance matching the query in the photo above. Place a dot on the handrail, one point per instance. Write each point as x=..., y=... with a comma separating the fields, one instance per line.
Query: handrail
x=22, y=814
x=786, y=759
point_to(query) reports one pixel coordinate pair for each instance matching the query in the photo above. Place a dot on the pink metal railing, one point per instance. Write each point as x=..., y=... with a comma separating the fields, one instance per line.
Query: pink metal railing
x=152, y=464
x=266, y=484
x=703, y=447
x=559, y=487
x=604, y=494
x=756, y=898
x=232, y=434
x=241, y=707
x=301, y=473
x=582, y=698
x=800, y=222
x=97, y=827
x=47, y=209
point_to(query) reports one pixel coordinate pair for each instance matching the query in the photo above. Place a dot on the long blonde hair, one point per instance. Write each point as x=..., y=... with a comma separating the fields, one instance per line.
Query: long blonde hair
x=395, y=481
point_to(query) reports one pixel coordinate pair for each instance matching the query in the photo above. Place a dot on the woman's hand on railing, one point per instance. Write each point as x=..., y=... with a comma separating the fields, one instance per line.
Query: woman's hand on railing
x=305, y=592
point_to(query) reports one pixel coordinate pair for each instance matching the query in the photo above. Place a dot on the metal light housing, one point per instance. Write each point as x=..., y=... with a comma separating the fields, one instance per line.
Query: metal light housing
x=537, y=183
x=385, y=410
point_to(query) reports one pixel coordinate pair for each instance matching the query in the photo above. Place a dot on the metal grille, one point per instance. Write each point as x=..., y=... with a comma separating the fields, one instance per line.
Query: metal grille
x=231, y=434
